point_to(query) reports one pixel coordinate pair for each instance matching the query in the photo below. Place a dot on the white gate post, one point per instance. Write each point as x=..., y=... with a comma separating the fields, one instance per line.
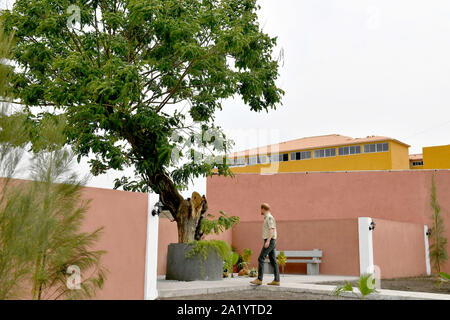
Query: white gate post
x=365, y=246
x=151, y=252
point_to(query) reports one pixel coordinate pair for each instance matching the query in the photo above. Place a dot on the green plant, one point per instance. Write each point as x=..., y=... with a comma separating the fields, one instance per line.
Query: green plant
x=247, y=255
x=443, y=277
x=366, y=286
x=16, y=211
x=202, y=249
x=123, y=74
x=347, y=287
x=438, y=245
x=253, y=273
x=210, y=225
x=281, y=259
x=6, y=43
x=239, y=263
x=228, y=261
x=243, y=265
x=232, y=259
x=40, y=220
x=245, y=259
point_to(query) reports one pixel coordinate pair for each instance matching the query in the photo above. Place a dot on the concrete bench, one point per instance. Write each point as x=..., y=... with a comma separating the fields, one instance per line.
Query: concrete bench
x=313, y=261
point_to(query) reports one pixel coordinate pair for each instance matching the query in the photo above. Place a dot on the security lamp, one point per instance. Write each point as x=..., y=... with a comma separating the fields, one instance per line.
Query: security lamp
x=157, y=208
x=372, y=225
x=429, y=232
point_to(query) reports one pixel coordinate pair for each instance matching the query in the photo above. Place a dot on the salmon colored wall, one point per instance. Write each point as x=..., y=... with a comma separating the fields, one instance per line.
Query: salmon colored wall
x=391, y=240
x=167, y=234
x=124, y=217
x=401, y=196
x=338, y=239
x=391, y=195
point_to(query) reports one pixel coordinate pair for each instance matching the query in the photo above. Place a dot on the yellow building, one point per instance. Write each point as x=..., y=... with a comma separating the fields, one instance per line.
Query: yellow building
x=416, y=161
x=324, y=153
x=437, y=157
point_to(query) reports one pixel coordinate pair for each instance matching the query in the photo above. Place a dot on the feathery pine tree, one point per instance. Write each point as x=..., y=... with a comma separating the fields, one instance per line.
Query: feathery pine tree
x=40, y=220
x=438, y=246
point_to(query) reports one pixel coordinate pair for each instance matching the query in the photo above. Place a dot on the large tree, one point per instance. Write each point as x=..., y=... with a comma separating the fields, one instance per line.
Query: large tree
x=139, y=82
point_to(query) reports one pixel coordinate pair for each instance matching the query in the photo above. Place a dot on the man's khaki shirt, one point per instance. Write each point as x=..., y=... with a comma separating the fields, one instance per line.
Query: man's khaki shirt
x=269, y=223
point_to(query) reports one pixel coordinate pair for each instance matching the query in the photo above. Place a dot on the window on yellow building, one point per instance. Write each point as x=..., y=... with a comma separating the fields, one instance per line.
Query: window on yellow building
x=278, y=157
x=344, y=151
x=324, y=153
x=262, y=159
x=233, y=162
x=300, y=155
x=252, y=160
x=376, y=147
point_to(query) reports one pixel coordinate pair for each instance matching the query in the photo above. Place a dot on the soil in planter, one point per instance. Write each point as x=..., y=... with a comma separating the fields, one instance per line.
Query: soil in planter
x=419, y=284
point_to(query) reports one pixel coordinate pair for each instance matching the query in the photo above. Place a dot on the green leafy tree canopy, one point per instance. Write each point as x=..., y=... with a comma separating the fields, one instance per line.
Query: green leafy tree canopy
x=140, y=81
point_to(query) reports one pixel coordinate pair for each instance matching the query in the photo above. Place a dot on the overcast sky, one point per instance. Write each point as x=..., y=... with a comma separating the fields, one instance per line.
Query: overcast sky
x=353, y=67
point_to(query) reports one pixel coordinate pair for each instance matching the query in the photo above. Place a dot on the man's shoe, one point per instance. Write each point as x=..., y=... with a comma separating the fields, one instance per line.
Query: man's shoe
x=257, y=282
x=274, y=283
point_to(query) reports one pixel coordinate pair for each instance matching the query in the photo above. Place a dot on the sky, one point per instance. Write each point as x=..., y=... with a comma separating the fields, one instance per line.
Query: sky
x=350, y=67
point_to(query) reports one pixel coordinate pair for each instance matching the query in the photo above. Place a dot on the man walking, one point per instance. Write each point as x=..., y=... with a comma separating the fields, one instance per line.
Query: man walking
x=269, y=235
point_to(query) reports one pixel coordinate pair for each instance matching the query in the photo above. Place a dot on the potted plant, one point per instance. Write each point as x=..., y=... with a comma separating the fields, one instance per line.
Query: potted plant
x=236, y=267
x=229, y=262
x=201, y=259
x=281, y=258
x=253, y=273
x=244, y=265
x=234, y=259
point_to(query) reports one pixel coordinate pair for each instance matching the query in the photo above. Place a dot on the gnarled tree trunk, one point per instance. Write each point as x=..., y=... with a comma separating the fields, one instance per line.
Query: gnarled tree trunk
x=188, y=213
x=189, y=216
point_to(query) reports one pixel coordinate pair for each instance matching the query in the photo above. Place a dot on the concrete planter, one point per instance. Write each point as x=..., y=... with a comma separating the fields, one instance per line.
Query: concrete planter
x=194, y=268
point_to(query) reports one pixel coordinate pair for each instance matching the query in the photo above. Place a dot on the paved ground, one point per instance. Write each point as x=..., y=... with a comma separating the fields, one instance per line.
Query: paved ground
x=255, y=294
x=301, y=286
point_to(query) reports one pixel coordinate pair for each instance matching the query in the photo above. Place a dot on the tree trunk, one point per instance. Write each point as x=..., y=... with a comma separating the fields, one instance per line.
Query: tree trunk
x=188, y=213
x=189, y=217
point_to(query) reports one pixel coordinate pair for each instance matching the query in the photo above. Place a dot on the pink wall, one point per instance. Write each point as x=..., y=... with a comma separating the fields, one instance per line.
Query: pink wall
x=313, y=210
x=401, y=196
x=124, y=217
x=167, y=234
x=399, y=248
x=338, y=239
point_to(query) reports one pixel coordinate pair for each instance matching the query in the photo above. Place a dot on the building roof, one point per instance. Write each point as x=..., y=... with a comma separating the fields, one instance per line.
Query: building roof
x=331, y=140
x=417, y=156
